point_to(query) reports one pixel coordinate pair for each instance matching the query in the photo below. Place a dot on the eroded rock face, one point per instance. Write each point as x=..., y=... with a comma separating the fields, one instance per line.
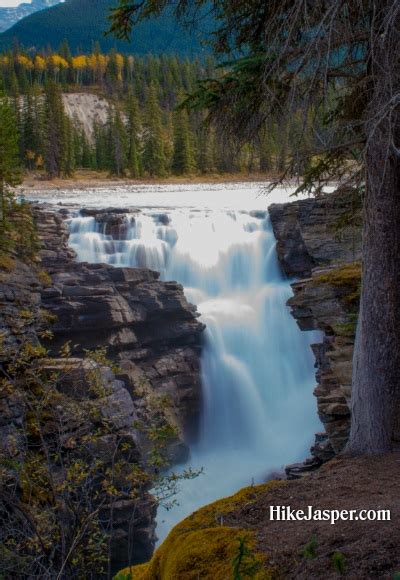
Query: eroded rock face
x=148, y=326
x=320, y=306
x=151, y=333
x=317, y=232
x=314, y=238
x=90, y=419
x=19, y=306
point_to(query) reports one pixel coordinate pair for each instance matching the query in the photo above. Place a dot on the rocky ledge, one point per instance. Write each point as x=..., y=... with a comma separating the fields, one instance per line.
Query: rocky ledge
x=319, y=241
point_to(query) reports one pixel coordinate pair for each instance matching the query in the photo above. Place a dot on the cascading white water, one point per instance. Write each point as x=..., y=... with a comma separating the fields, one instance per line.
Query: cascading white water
x=257, y=367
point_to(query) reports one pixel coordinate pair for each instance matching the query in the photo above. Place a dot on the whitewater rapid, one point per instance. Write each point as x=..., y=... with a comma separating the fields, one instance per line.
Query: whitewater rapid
x=257, y=366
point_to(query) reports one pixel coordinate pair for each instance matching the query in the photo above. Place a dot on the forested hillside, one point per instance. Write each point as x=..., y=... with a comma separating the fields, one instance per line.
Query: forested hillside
x=145, y=133
x=10, y=15
x=84, y=22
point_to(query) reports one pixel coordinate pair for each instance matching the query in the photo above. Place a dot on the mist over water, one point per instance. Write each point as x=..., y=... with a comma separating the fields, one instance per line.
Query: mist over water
x=257, y=366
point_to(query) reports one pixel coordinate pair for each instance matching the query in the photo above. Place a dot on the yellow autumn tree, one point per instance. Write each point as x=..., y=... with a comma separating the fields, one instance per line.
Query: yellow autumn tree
x=92, y=66
x=119, y=59
x=56, y=63
x=25, y=62
x=40, y=66
x=79, y=64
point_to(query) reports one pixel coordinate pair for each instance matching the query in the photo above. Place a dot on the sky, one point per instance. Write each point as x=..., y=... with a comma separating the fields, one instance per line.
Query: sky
x=4, y=3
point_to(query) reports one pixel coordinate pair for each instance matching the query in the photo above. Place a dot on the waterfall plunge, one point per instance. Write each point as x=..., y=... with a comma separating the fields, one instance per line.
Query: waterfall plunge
x=257, y=367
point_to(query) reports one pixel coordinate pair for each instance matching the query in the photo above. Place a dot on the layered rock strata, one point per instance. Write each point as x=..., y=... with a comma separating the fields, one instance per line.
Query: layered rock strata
x=149, y=328
x=319, y=241
x=152, y=336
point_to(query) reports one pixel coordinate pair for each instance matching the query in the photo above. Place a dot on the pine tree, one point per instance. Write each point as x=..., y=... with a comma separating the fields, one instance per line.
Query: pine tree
x=57, y=152
x=101, y=158
x=134, y=130
x=206, y=149
x=87, y=151
x=10, y=172
x=39, y=114
x=116, y=144
x=183, y=161
x=119, y=146
x=68, y=157
x=154, y=161
x=27, y=138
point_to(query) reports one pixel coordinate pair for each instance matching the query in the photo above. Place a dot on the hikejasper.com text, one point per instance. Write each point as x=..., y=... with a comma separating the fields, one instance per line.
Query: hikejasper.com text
x=310, y=513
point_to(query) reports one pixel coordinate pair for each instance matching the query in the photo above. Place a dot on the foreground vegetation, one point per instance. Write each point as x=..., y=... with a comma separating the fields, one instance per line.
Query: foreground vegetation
x=204, y=546
x=235, y=538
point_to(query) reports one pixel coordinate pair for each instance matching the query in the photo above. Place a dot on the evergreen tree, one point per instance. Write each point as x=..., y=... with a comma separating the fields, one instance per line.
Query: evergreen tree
x=266, y=147
x=205, y=150
x=57, y=156
x=27, y=133
x=87, y=151
x=134, y=130
x=101, y=152
x=183, y=160
x=65, y=50
x=154, y=161
x=116, y=143
x=39, y=114
x=10, y=172
x=68, y=157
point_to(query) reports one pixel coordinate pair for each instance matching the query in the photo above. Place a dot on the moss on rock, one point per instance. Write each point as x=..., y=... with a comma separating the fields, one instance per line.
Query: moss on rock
x=348, y=275
x=348, y=278
x=204, y=546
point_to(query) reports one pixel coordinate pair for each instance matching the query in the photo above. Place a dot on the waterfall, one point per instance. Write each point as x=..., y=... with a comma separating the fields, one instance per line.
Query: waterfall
x=257, y=366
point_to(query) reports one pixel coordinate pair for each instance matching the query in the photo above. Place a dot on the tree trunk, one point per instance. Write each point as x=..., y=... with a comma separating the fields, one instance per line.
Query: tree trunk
x=375, y=423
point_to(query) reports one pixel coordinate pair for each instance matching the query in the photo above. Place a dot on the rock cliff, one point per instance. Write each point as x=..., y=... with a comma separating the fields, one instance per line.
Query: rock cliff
x=149, y=328
x=319, y=241
x=153, y=341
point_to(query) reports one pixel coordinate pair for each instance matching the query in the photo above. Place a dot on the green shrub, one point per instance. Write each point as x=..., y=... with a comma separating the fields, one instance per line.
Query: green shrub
x=339, y=562
x=310, y=549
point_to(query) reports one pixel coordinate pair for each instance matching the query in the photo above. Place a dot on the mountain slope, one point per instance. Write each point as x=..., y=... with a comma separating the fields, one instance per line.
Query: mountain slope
x=83, y=22
x=9, y=16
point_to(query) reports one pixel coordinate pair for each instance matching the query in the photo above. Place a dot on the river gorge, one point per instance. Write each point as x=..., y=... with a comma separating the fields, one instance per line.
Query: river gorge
x=257, y=369
x=207, y=322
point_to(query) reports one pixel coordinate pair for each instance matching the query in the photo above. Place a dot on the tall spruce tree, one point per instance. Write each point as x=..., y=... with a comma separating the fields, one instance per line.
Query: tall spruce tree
x=57, y=138
x=206, y=149
x=134, y=130
x=154, y=160
x=117, y=143
x=10, y=171
x=183, y=161
x=101, y=152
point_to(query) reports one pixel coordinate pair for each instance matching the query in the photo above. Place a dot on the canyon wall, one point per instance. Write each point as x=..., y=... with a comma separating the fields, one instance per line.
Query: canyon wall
x=319, y=244
x=151, y=341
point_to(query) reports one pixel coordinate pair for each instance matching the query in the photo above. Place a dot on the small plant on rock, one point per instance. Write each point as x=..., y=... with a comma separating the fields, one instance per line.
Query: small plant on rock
x=310, y=549
x=244, y=564
x=339, y=562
